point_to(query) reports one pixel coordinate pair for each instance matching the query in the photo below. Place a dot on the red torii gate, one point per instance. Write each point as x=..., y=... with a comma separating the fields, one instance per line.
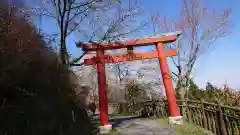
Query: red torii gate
x=101, y=59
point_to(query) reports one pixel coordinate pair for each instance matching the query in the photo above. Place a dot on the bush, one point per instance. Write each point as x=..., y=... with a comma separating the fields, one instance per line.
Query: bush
x=36, y=95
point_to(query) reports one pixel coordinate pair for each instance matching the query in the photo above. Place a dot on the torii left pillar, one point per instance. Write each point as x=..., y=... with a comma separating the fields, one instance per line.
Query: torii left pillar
x=105, y=126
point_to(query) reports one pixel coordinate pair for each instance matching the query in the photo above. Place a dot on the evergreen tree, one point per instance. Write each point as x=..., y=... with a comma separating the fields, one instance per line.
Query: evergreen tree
x=210, y=92
x=194, y=92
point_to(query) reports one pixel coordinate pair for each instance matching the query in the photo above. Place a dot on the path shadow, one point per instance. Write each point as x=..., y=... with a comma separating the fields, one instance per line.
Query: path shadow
x=117, y=120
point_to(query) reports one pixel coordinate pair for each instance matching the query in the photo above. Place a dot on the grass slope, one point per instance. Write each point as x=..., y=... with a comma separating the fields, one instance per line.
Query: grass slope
x=185, y=129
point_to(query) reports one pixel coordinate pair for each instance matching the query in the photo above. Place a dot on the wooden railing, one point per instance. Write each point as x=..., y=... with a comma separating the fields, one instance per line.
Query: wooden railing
x=219, y=119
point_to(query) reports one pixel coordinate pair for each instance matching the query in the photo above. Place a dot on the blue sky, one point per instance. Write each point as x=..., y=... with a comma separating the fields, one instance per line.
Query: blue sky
x=222, y=63
x=216, y=66
x=219, y=64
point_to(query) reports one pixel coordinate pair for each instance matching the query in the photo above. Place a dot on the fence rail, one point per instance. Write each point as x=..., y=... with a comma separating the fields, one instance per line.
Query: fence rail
x=219, y=119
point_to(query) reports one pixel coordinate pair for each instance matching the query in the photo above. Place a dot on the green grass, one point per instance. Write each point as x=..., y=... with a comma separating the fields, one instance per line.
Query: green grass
x=95, y=124
x=161, y=121
x=189, y=129
x=185, y=129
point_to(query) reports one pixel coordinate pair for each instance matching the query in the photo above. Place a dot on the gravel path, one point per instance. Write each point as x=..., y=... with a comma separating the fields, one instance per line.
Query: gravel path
x=141, y=126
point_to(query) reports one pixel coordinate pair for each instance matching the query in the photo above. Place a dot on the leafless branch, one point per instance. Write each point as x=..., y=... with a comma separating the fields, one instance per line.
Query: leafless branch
x=200, y=27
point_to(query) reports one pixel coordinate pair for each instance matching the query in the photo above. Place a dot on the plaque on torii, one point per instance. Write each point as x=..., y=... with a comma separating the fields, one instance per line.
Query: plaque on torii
x=100, y=59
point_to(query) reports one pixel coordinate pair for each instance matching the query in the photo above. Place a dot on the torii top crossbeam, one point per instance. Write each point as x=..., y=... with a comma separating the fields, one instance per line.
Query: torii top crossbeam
x=126, y=44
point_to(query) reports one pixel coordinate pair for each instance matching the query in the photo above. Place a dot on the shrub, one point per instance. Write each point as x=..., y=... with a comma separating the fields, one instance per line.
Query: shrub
x=36, y=95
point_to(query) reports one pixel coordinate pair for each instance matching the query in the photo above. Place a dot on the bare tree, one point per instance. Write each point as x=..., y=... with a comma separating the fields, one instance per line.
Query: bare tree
x=200, y=28
x=93, y=84
x=91, y=20
x=143, y=74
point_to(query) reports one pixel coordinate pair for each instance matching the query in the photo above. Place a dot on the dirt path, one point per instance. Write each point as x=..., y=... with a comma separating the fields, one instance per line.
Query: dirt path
x=141, y=126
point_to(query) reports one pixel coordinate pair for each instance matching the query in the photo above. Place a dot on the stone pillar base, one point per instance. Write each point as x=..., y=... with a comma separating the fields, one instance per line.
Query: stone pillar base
x=178, y=120
x=105, y=129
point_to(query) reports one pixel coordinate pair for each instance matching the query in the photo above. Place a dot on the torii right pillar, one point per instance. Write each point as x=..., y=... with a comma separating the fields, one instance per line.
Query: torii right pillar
x=175, y=117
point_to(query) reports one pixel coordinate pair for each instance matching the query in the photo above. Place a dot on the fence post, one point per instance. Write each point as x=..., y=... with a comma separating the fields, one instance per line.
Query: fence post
x=188, y=111
x=205, y=125
x=154, y=108
x=182, y=107
x=188, y=114
x=144, y=112
x=221, y=123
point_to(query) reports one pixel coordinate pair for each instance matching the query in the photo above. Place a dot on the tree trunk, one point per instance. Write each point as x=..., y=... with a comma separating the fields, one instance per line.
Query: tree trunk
x=63, y=52
x=182, y=92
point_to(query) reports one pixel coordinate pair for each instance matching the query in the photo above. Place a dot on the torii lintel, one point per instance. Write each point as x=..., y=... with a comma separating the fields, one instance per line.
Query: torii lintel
x=126, y=44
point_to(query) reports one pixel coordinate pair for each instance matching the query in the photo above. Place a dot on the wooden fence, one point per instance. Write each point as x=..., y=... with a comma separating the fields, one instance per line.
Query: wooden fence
x=127, y=107
x=219, y=119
